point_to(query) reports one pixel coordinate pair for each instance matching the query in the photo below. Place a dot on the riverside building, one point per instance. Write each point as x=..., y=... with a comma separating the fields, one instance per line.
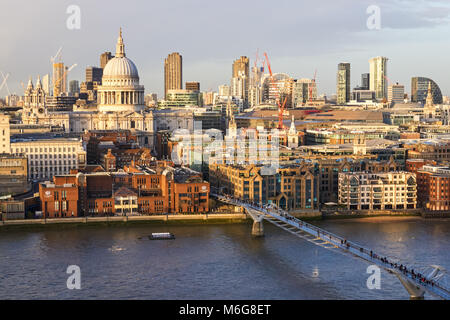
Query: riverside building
x=377, y=191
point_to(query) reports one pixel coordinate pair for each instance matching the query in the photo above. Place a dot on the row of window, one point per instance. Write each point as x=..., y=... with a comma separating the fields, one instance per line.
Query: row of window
x=54, y=149
x=50, y=156
x=46, y=169
x=60, y=162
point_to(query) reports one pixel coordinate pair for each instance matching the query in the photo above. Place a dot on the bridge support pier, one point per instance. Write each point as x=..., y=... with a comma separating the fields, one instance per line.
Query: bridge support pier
x=415, y=292
x=258, y=228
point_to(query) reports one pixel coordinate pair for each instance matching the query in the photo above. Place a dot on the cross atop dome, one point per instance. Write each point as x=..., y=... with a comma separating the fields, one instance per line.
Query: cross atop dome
x=120, y=47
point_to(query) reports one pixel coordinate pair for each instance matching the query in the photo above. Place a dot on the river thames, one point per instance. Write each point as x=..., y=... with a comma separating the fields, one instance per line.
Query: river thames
x=213, y=261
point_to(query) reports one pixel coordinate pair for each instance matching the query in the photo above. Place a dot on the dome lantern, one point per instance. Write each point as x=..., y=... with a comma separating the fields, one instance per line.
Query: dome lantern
x=120, y=47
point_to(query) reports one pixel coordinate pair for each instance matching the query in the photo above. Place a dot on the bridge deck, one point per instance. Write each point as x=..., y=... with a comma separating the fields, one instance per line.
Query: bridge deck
x=331, y=241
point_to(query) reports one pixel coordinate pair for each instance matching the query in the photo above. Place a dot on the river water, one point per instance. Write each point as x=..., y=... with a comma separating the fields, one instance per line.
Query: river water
x=213, y=261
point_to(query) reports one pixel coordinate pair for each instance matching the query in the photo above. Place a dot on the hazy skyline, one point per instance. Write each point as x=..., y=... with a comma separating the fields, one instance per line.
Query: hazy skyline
x=299, y=37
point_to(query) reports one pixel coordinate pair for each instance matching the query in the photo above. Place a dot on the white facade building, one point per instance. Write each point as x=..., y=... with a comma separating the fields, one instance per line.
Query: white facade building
x=49, y=157
x=378, y=74
x=4, y=134
x=377, y=191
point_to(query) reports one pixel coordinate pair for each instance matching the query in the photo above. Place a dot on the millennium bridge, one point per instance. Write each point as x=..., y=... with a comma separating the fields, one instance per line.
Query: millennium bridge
x=416, y=283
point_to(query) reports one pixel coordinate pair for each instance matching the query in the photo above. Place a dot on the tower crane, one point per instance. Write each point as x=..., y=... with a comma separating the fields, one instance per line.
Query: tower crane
x=4, y=83
x=58, y=53
x=277, y=98
x=311, y=86
x=64, y=75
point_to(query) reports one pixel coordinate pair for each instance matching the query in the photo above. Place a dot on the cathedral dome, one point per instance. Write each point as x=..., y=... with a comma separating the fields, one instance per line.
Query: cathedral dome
x=120, y=89
x=120, y=67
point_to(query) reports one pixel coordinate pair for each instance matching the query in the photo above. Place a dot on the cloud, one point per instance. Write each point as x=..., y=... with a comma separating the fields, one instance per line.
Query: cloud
x=211, y=34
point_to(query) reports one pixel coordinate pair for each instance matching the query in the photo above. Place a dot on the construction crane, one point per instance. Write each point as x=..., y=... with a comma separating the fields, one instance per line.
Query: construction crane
x=313, y=83
x=4, y=83
x=55, y=83
x=58, y=53
x=277, y=98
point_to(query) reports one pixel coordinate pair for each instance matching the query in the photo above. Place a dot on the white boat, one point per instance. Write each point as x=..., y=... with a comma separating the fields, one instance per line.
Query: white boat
x=162, y=236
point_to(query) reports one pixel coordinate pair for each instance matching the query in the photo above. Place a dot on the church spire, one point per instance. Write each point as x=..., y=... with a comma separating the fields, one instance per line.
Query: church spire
x=120, y=47
x=429, y=101
x=30, y=86
x=232, y=126
x=30, y=83
x=38, y=82
x=293, y=129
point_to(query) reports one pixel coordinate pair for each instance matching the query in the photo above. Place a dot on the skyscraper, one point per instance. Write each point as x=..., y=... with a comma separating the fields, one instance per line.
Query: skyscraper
x=74, y=88
x=104, y=58
x=173, y=72
x=365, y=81
x=378, y=74
x=94, y=74
x=241, y=67
x=240, y=79
x=239, y=88
x=419, y=90
x=59, y=79
x=303, y=90
x=343, y=83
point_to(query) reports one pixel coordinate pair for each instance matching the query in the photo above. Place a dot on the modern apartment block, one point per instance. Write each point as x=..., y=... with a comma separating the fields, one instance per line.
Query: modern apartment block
x=377, y=191
x=378, y=74
x=343, y=83
x=293, y=187
x=433, y=187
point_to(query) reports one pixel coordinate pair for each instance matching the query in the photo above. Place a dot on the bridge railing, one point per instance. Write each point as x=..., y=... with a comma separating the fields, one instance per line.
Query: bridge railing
x=344, y=244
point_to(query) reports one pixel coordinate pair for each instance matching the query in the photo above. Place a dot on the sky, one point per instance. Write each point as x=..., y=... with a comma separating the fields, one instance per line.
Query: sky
x=299, y=37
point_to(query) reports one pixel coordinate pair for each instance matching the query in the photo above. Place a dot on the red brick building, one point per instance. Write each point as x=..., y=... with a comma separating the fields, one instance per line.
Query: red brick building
x=433, y=188
x=157, y=189
x=414, y=165
x=59, y=199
